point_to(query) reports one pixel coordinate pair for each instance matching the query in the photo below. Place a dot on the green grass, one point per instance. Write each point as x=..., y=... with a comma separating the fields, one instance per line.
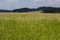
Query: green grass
x=28, y=27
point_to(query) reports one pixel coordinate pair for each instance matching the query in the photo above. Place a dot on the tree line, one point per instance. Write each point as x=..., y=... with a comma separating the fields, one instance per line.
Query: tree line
x=43, y=9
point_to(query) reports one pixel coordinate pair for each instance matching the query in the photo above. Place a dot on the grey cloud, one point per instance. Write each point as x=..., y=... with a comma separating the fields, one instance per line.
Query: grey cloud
x=12, y=4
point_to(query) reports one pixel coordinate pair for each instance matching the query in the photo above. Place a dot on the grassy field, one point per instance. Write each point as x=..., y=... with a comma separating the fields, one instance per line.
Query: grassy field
x=29, y=26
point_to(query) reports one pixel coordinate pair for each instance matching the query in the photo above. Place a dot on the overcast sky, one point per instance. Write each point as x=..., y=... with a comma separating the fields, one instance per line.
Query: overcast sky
x=13, y=4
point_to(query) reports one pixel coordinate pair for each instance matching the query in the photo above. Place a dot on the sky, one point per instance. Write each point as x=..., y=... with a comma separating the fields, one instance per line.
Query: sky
x=14, y=4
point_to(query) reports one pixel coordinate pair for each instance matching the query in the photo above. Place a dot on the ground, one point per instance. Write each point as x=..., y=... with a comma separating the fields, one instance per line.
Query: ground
x=29, y=26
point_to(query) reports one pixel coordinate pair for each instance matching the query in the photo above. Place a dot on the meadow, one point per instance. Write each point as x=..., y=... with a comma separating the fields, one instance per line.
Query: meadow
x=29, y=26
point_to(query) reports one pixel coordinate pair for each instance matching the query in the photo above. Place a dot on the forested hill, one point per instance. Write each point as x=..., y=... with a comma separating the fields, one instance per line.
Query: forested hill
x=43, y=9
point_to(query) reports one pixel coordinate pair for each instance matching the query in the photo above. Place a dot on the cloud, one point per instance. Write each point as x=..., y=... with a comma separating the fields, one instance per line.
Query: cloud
x=35, y=0
x=12, y=4
x=10, y=1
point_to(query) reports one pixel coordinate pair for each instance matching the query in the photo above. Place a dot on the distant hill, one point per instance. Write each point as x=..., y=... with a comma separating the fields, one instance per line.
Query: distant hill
x=49, y=9
x=5, y=10
x=24, y=10
x=43, y=9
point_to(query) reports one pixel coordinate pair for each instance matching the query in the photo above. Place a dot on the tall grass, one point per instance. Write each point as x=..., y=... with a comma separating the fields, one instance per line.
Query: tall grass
x=29, y=27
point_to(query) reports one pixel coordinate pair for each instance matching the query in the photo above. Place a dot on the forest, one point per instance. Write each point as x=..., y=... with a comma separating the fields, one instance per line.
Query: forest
x=43, y=9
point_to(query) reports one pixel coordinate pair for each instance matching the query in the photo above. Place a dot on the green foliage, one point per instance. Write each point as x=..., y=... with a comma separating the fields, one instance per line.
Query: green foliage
x=29, y=26
x=33, y=29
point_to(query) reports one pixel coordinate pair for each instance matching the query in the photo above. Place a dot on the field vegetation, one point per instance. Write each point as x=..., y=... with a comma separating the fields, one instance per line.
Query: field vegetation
x=29, y=26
